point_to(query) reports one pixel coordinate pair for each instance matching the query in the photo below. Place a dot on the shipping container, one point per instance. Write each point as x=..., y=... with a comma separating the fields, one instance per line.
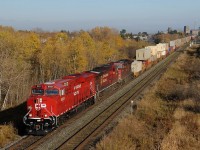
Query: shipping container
x=161, y=47
x=153, y=58
x=163, y=53
x=158, y=55
x=167, y=46
x=172, y=43
x=143, y=54
x=136, y=67
x=153, y=49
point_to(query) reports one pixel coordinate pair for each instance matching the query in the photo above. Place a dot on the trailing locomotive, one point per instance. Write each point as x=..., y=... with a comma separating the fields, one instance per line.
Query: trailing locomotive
x=50, y=100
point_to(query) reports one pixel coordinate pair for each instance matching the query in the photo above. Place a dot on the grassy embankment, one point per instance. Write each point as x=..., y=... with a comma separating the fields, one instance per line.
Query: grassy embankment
x=168, y=117
x=7, y=134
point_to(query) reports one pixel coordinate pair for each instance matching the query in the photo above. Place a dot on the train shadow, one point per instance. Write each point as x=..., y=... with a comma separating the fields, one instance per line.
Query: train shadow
x=14, y=116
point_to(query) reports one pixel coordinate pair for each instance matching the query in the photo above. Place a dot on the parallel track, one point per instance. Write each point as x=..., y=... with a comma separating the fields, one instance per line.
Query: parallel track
x=83, y=133
x=24, y=143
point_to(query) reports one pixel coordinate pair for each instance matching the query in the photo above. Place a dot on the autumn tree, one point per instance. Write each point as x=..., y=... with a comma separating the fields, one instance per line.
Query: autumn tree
x=12, y=68
x=29, y=57
x=52, y=58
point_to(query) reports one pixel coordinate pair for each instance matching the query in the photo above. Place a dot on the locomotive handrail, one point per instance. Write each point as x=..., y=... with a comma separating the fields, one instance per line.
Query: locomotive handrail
x=107, y=87
x=25, y=117
x=52, y=115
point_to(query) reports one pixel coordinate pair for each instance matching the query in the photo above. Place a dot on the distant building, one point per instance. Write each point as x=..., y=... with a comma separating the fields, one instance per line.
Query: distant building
x=195, y=32
x=140, y=37
x=143, y=38
x=169, y=29
x=186, y=30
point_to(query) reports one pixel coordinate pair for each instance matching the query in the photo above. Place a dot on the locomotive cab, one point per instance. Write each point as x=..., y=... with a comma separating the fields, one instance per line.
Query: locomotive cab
x=41, y=116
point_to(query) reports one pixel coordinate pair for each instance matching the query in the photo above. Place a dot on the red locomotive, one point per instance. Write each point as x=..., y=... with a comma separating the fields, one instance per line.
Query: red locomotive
x=48, y=101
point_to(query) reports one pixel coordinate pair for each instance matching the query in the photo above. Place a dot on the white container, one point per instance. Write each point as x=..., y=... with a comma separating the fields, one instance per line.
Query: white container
x=163, y=53
x=161, y=47
x=167, y=46
x=143, y=54
x=172, y=43
x=136, y=66
x=158, y=55
x=153, y=50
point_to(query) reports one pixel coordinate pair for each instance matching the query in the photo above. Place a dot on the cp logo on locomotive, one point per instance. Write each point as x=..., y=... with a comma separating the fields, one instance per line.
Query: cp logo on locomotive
x=39, y=106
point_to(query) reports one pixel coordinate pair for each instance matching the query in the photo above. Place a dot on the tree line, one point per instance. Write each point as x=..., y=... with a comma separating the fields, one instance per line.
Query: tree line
x=28, y=57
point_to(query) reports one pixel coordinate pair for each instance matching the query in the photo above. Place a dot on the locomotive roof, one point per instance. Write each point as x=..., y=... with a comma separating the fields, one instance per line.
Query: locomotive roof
x=102, y=68
x=79, y=77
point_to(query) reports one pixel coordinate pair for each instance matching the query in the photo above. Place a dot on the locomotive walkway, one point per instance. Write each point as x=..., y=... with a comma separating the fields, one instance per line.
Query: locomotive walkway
x=76, y=134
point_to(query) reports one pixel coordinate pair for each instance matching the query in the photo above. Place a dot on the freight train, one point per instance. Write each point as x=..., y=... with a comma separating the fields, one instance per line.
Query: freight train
x=50, y=100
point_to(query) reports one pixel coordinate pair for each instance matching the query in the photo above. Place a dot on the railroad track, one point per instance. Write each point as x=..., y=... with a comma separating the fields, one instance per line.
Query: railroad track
x=75, y=134
x=75, y=141
x=24, y=143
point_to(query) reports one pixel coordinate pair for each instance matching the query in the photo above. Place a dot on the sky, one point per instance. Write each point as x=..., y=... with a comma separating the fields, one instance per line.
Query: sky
x=73, y=15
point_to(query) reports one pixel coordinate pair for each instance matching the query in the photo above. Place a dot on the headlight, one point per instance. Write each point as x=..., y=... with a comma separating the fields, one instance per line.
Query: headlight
x=30, y=115
x=45, y=115
x=40, y=100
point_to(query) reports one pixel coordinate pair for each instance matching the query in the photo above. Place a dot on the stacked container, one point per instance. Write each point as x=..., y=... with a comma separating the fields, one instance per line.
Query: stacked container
x=161, y=47
x=172, y=46
x=144, y=55
x=136, y=68
x=166, y=45
x=153, y=50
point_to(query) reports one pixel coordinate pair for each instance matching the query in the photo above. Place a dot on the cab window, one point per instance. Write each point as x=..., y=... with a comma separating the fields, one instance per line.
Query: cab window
x=37, y=91
x=51, y=92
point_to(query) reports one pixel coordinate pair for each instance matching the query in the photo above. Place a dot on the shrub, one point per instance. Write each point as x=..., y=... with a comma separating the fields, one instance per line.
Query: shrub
x=180, y=139
x=130, y=133
x=7, y=134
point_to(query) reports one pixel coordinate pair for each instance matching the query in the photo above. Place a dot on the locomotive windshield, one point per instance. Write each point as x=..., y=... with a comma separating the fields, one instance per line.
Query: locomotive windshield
x=37, y=91
x=52, y=92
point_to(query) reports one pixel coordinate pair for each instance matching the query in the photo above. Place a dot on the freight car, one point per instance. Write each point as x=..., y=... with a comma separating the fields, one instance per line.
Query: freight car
x=50, y=100
x=150, y=55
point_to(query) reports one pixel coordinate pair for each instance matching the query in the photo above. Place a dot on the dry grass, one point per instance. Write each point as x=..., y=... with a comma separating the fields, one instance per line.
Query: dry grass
x=152, y=108
x=179, y=138
x=7, y=134
x=168, y=117
x=144, y=130
x=130, y=134
x=185, y=133
x=179, y=113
